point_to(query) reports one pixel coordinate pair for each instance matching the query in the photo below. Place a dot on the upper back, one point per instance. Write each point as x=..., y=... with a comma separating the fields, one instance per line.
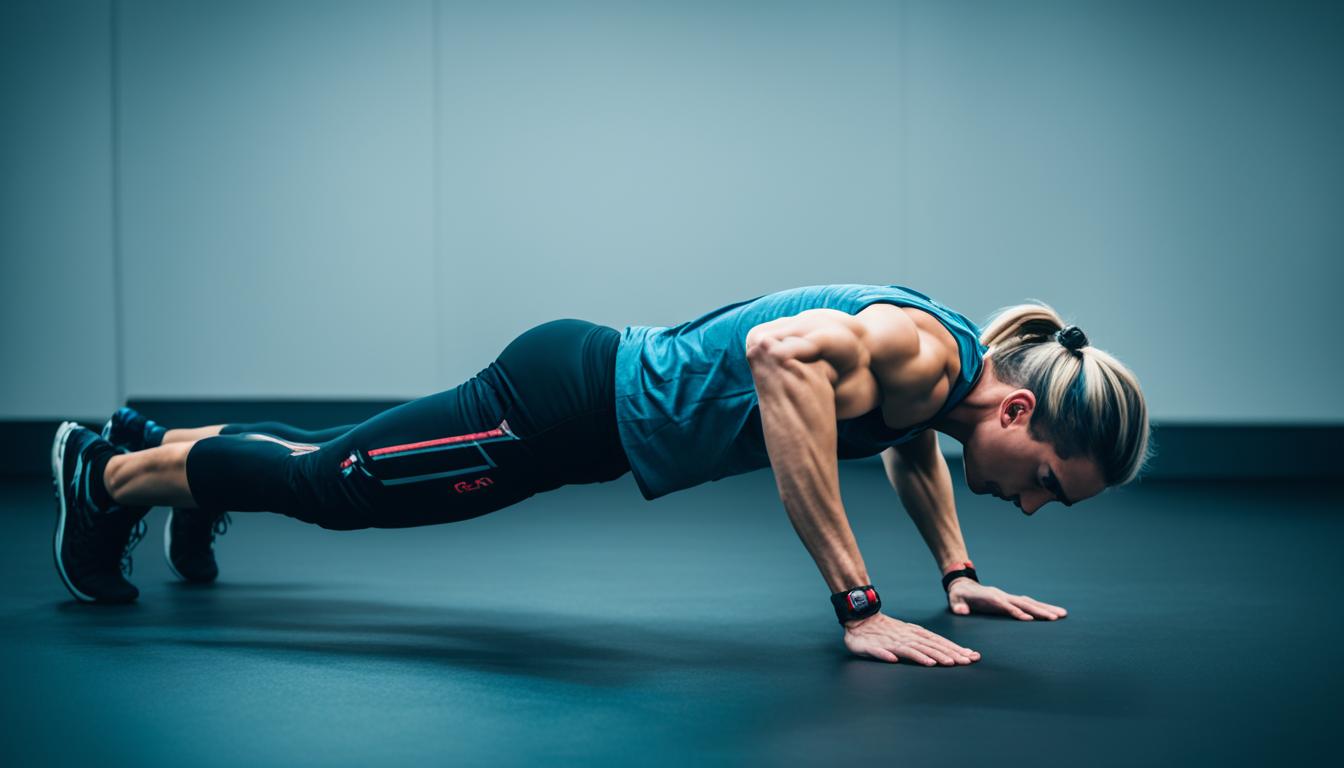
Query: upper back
x=686, y=400
x=901, y=359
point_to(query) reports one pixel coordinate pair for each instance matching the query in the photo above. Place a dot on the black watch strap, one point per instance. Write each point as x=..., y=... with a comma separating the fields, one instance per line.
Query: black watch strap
x=968, y=572
x=857, y=603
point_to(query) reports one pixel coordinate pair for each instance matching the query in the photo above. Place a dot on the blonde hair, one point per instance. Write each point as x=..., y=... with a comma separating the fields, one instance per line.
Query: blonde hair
x=1087, y=402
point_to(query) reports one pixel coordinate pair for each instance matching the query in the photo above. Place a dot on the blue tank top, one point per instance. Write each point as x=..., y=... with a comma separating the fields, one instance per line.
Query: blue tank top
x=686, y=404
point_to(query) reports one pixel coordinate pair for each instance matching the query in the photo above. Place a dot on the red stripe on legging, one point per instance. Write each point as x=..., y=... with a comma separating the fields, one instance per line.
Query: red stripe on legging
x=440, y=441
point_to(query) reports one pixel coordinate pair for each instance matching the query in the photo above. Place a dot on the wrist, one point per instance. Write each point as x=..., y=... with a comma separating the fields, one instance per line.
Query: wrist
x=962, y=570
x=856, y=623
x=955, y=565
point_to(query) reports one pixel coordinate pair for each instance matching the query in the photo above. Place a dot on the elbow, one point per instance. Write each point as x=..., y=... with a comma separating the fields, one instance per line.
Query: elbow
x=765, y=354
x=759, y=346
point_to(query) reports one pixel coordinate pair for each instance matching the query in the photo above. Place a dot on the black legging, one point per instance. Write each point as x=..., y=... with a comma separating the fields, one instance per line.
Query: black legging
x=540, y=416
x=288, y=431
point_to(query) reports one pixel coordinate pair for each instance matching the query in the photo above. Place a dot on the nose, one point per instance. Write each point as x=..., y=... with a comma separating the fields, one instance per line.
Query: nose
x=1031, y=506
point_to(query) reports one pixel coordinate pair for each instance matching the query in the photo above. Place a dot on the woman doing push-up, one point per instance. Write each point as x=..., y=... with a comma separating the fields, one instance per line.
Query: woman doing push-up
x=794, y=380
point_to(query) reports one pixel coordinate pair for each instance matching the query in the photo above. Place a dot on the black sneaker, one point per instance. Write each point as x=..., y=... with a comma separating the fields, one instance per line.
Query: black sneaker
x=189, y=542
x=130, y=430
x=92, y=545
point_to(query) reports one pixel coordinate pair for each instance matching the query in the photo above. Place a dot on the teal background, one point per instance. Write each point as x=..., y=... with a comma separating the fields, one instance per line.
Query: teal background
x=220, y=201
x=369, y=199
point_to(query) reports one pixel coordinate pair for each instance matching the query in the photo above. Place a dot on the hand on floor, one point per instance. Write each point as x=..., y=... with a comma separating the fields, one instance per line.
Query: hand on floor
x=966, y=596
x=888, y=639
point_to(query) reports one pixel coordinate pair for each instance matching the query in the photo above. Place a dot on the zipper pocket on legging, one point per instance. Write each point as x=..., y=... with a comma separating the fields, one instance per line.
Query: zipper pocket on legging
x=433, y=459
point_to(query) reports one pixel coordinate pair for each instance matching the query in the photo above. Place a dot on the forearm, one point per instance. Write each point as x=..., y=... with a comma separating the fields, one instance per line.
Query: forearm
x=926, y=493
x=798, y=419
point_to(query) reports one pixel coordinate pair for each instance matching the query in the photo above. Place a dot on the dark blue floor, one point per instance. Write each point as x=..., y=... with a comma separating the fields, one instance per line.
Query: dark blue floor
x=694, y=629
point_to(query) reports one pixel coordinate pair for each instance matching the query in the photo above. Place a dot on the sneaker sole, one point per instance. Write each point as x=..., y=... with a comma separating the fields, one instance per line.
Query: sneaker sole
x=168, y=543
x=58, y=476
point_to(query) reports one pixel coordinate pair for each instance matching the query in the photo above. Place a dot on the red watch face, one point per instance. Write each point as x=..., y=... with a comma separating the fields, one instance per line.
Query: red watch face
x=858, y=600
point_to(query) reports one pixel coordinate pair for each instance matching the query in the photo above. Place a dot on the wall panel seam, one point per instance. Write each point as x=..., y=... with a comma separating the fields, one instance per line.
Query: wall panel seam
x=118, y=298
x=436, y=247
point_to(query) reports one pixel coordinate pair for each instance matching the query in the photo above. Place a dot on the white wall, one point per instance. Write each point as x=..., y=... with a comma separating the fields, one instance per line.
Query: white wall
x=365, y=199
x=644, y=166
x=277, y=179
x=58, y=351
x=1168, y=175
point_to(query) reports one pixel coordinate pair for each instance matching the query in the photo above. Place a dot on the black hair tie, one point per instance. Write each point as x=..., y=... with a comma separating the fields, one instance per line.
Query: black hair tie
x=1072, y=338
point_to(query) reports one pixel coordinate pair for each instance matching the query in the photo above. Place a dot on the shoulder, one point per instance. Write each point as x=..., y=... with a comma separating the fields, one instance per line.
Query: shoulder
x=913, y=356
x=902, y=336
x=892, y=338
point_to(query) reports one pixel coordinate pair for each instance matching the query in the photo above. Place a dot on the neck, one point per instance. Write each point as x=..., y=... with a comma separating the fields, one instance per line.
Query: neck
x=981, y=403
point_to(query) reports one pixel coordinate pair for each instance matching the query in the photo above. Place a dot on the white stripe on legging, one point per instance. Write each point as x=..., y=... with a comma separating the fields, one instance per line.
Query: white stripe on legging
x=297, y=448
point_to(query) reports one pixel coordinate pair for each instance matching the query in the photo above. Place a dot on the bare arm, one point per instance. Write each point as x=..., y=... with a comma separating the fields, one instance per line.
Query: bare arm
x=805, y=377
x=811, y=370
x=918, y=472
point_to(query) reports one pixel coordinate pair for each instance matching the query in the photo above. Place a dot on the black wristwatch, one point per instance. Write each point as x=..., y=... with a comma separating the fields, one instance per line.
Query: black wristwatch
x=857, y=603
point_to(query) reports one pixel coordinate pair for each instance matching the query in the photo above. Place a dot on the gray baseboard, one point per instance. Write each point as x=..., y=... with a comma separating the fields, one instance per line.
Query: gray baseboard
x=1184, y=451
x=1294, y=451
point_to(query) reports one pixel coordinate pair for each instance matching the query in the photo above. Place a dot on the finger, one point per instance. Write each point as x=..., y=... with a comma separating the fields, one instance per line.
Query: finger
x=959, y=650
x=946, y=644
x=953, y=655
x=913, y=653
x=874, y=651
x=885, y=655
x=937, y=654
x=1014, y=611
x=942, y=642
x=1037, y=608
x=1031, y=604
x=1055, y=610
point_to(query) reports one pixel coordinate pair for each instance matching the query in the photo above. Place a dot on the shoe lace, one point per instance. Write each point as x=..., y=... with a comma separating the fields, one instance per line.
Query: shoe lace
x=137, y=533
x=221, y=526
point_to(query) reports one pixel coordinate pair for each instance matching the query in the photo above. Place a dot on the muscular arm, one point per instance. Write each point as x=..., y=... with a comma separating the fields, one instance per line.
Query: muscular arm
x=918, y=472
x=810, y=372
x=798, y=417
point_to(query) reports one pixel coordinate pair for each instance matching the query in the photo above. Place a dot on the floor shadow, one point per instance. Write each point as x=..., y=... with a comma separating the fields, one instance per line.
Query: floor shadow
x=556, y=646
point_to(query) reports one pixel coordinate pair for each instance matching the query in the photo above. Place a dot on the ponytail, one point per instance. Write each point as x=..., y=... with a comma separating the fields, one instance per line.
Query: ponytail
x=1087, y=402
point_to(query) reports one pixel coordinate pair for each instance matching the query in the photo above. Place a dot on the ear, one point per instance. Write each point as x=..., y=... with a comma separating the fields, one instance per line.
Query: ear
x=1016, y=408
